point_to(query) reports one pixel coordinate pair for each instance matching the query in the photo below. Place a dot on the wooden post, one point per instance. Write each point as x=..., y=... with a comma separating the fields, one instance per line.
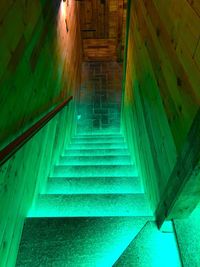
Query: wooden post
x=182, y=192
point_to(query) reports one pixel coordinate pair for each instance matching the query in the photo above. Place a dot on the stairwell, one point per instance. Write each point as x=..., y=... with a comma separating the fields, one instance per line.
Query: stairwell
x=93, y=211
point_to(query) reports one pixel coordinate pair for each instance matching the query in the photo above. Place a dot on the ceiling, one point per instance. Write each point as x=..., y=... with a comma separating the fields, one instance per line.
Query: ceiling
x=103, y=24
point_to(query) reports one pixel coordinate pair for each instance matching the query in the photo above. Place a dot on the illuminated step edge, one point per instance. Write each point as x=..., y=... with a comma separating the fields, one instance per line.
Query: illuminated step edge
x=114, y=135
x=99, y=139
x=108, y=131
x=97, y=146
x=93, y=171
x=95, y=160
x=90, y=205
x=94, y=185
x=151, y=247
x=95, y=152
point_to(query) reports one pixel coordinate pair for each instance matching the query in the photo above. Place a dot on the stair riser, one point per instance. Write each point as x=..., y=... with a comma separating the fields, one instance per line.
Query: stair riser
x=94, y=140
x=91, y=205
x=98, y=146
x=96, y=185
x=97, y=160
x=96, y=152
x=94, y=171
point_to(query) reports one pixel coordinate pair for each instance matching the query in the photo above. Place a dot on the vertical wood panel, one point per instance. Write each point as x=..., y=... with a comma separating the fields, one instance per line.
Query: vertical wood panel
x=162, y=93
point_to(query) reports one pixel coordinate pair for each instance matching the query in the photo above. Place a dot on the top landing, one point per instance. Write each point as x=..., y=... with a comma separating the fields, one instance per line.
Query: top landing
x=99, y=100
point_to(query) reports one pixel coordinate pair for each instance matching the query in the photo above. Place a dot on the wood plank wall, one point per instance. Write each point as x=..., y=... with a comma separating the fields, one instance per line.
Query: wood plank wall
x=103, y=23
x=39, y=66
x=162, y=85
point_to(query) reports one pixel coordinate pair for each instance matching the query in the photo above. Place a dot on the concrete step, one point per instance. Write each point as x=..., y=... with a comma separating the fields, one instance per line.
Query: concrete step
x=87, y=205
x=95, y=160
x=76, y=242
x=96, y=152
x=151, y=248
x=94, y=171
x=99, y=145
x=94, y=185
x=111, y=135
x=98, y=139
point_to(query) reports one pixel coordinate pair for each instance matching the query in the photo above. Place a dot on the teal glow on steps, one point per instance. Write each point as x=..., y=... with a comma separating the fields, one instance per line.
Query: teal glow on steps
x=93, y=171
x=95, y=152
x=98, y=145
x=151, y=248
x=87, y=205
x=98, y=139
x=97, y=160
x=77, y=242
x=94, y=185
x=188, y=236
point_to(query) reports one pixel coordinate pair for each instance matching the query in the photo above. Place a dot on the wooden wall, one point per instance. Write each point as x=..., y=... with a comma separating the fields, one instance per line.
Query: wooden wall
x=40, y=65
x=162, y=86
x=39, y=60
x=103, y=26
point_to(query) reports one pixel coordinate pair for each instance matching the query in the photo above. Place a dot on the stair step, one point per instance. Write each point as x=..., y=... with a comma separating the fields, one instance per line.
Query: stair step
x=98, y=146
x=111, y=130
x=93, y=241
x=94, y=185
x=151, y=248
x=90, y=205
x=97, y=139
x=114, y=135
x=96, y=152
x=95, y=160
x=93, y=171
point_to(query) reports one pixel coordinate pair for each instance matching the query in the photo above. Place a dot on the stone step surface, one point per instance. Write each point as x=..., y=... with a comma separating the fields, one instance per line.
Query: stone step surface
x=99, y=145
x=76, y=242
x=96, y=152
x=151, y=248
x=95, y=160
x=94, y=185
x=92, y=170
x=89, y=205
x=98, y=139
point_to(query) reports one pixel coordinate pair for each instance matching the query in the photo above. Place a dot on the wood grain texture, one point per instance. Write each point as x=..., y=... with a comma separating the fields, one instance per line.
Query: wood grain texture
x=161, y=94
x=183, y=188
x=103, y=20
x=40, y=67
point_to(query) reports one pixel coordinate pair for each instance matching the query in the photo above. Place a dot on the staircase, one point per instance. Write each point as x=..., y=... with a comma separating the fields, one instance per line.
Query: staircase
x=92, y=210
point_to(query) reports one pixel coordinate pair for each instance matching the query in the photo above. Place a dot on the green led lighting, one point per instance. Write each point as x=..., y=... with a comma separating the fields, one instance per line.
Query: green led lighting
x=97, y=160
x=93, y=171
x=94, y=185
x=89, y=205
x=97, y=146
x=188, y=236
x=96, y=152
x=151, y=248
x=97, y=139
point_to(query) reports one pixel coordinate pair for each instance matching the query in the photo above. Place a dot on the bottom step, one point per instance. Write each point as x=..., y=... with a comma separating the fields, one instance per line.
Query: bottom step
x=151, y=248
x=87, y=205
x=76, y=242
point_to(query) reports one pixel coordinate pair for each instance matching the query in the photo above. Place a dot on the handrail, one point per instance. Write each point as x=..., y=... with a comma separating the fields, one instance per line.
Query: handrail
x=8, y=151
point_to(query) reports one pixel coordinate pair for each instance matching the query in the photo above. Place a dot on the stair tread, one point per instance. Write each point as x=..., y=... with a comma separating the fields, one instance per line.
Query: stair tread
x=106, y=139
x=94, y=152
x=94, y=170
x=155, y=245
x=91, y=241
x=99, y=185
x=99, y=145
x=60, y=205
x=95, y=160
